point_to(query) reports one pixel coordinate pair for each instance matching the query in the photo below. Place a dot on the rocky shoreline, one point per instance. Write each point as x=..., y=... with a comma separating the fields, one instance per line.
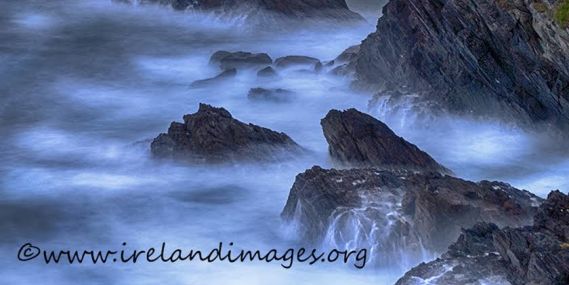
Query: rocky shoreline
x=493, y=59
x=506, y=60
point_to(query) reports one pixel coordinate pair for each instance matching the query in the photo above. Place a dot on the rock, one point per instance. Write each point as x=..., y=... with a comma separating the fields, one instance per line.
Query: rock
x=336, y=10
x=297, y=61
x=224, y=76
x=471, y=260
x=485, y=254
x=267, y=72
x=502, y=59
x=398, y=215
x=213, y=135
x=553, y=215
x=359, y=140
x=348, y=55
x=275, y=95
x=229, y=60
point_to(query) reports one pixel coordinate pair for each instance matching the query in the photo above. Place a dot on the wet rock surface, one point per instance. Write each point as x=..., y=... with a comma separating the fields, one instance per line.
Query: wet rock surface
x=502, y=59
x=537, y=254
x=357, y=139
x=213, y=135
x=398, y=213
x=240, y=60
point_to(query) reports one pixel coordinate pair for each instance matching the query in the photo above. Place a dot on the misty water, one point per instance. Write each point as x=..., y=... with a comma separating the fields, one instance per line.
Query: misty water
x=85, y=84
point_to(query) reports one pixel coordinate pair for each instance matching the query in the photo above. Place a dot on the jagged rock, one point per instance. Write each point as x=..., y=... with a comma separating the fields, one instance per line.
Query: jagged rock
x=276, y=95
x=228, y=60
x=398, y=212
x=297, y=61
x=223, y=76
x=336, y=10
x=471, y=260
x=358, y=139
x=537, y=254
x=213, y=135
x=267, y=72
x=502, y=59
x=553, y=215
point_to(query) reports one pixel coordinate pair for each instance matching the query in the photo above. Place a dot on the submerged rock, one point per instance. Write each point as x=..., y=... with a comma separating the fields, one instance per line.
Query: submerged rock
x=275, y=95
x=297, y=61
x=267, y=72
x=228, y=60
x=400, y=216
x=213, y=135
x=502, y=59
x=222, y=77
x=358, y=139
x=485, y=254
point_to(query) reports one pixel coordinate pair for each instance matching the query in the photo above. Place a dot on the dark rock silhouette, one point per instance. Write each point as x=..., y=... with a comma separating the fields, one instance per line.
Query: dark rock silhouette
x=537, y=254
x=228, y=60
x=357, y=139
x=275, y=95
x=502, y=59
x=267, y=72
x=297, y=61
x=222, y=77
x=213, y=135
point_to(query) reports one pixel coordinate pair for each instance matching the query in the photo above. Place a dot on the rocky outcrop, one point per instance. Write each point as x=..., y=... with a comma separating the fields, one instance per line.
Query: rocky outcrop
x=297, y=61
x=220, y=78
x=261, y=9
x=503, y=59
x=213, y=135
x=398, y=214
x=348, y=55
x=274, y=95
x=357, y=139
x=240, y=60
x=485, y=254
x=267, y=72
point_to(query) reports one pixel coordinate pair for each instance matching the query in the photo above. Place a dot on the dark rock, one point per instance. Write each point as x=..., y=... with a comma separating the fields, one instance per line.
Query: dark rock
x=318, y=67
x=276, y=95
x=553, y=215
x=537, y=254
x=297, y=61
x=267, y=72
x=502, y=59
x=336, y=10
x=229, y=60
x=397, y=213
x=358, y=139
x=348, y=55
x=471, y=260
x=213, y=135
x=222, y=77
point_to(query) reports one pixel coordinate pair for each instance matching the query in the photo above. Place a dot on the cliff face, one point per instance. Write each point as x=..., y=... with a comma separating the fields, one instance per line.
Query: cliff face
x=336, y=9
x=483, y=57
